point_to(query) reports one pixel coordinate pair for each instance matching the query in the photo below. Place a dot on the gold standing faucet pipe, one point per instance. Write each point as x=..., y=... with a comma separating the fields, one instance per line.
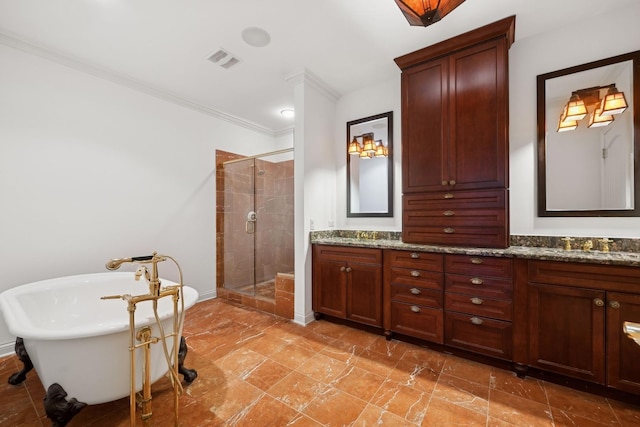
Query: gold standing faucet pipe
x=144, y=334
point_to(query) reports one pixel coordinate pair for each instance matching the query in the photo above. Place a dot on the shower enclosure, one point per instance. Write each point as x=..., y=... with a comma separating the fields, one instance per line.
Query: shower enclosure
x=258, y=222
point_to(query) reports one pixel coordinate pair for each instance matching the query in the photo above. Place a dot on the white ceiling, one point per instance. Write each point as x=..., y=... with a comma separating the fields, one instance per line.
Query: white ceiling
x=162, y=46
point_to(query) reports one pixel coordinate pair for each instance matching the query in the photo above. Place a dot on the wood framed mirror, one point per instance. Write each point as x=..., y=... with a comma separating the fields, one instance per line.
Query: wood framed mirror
x=370, y=166
x=592, y=170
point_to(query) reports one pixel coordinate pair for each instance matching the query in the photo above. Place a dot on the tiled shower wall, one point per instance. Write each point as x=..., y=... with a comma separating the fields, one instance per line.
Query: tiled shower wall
x=274, y=231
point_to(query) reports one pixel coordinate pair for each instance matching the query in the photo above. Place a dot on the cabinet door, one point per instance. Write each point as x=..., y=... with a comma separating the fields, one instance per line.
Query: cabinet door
x=623, y=354
x=329, y=288
x=478, y=112
x=364, y=293
x=425, y=134
x=566, y=331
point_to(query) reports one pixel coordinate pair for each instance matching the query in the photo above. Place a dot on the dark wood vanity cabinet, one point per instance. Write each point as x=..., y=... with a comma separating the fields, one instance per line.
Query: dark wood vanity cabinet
x=413, y=299
x=478, y=304
x=455, y=138
x=576, y=316
x=347, y=283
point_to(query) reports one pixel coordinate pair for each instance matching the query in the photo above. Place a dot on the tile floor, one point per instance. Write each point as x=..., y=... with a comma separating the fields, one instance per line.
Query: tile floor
x=256, y=369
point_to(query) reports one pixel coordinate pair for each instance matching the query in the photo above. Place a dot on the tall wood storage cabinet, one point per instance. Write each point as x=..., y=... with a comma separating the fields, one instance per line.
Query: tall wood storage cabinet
x=455, y=139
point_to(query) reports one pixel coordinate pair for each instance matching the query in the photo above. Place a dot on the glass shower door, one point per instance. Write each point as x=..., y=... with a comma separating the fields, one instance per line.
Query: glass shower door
x=240, y=223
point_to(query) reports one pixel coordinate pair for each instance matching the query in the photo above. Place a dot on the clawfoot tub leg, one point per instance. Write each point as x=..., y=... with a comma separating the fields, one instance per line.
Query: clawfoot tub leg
x=188, y=374
x=21, y=352
x=58, y=409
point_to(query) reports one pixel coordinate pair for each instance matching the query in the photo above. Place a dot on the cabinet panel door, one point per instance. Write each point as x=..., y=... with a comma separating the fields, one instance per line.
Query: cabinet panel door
x=329, y=288
x=425, y=134
x=364, y=293
x=478, y=116
x=623, y=354
x=566, y=331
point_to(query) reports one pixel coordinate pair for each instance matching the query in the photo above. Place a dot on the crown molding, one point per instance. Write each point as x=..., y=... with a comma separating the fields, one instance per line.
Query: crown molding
x=308, y=77
x=125, y=80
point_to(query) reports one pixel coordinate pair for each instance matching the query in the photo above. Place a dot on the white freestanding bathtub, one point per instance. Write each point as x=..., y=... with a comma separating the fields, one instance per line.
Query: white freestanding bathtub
x=77, y=340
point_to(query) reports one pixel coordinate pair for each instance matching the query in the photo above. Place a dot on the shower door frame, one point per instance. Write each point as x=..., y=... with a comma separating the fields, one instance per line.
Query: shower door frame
x=247, y=287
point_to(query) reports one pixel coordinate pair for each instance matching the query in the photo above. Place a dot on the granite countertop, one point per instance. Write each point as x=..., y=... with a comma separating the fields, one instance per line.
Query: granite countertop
x=528, y=252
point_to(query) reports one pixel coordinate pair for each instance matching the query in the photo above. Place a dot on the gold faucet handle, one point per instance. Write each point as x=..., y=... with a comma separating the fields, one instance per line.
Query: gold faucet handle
x=605, y=244
x=567, y=243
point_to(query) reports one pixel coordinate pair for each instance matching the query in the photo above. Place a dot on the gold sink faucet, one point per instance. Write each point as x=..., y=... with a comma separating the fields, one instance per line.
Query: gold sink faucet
x=567, y=243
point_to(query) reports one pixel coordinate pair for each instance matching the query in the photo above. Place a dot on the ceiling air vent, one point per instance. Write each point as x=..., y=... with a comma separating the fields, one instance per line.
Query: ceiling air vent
x=224, y=59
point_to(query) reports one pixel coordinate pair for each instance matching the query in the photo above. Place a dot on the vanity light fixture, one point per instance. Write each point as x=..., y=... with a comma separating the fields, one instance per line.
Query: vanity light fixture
x=354, y=147
x=423, y=13
x=592, y=101
x=380, y=149
x=597, y=119
x=613, y=103
x=576, y=110
x=369, y=147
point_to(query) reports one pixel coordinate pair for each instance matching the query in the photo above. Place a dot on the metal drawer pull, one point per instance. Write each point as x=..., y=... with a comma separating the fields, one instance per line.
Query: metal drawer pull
x=415, y=273
x=476, y=260
x=448, y=196
x=448, y=213
x=598, y=302
x=476, y=301
x=449, y=230
x=348, y=269
x=476, y=320
x=415, y=255
x=343, y=268
x=444, y=182
x=452, y=182
x=415, y=291
x=476, y=281
x=415, y=309
x=614, y=304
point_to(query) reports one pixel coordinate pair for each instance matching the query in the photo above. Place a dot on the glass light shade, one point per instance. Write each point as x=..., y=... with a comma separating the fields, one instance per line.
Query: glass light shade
x=426, y=12
x=369, y=144
x=354, y=147
x=598, y=120
x=613, y=103
x=379, y=151
x=575, y=110
x=365, y=155
x=566, y=125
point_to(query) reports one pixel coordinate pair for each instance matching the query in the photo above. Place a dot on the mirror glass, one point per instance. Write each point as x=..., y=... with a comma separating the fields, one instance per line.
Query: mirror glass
x=591, y=168
x=369, y=151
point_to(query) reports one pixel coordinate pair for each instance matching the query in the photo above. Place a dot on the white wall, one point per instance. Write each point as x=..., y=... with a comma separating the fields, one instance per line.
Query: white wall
x=542, y=54
x=91, y=170
x=366, y=102
x=527, y=58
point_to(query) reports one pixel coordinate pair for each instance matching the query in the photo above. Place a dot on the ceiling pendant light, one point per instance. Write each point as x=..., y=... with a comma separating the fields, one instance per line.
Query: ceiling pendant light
x=426, y=12
x=613, y=103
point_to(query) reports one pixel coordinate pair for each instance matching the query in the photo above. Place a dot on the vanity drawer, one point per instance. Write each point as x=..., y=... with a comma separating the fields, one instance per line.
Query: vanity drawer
x=417, y=321
x=480, y=286
x=482, y=237
x=479, y=265
x=418, y=278
x=470, y=200
x=479, y=334
x=353, y=254
x=416, y=295
x=486, y=307
x=415, y=260
x=455, y=217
